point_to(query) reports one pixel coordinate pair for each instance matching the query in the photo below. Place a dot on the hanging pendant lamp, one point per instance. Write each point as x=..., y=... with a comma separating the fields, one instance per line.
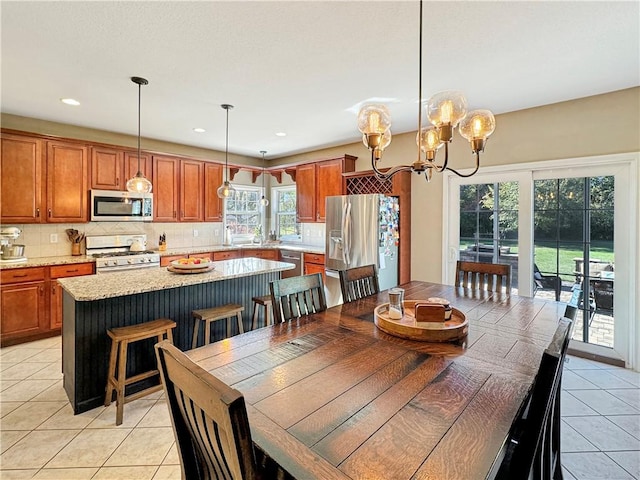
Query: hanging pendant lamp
x=226, y=189
x=263, y=201
x=138, y=183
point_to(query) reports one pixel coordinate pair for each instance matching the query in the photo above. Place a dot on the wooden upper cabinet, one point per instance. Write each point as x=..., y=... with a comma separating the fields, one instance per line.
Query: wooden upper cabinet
x=67, y=182
x=212, y=203
x=317, y=181
x=191, y=191
x=306, y=192
x=131, y=166
x=166, y=171
x=21, y=177
x=107, y=169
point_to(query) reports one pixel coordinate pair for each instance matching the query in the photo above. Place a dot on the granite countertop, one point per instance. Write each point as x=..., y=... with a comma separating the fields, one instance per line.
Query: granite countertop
x=130, y=282
x=68, y=259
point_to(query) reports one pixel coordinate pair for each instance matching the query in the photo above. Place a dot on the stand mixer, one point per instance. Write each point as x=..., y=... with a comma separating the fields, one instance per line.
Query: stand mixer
x=11, y=252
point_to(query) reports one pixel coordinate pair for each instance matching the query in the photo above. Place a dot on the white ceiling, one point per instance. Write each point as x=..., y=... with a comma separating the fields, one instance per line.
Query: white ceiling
x=302, y=67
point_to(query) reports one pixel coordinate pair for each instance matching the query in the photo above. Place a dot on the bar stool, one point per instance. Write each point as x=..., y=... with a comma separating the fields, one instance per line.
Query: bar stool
x=208, y=315
x=121, y=337
x=264, y=301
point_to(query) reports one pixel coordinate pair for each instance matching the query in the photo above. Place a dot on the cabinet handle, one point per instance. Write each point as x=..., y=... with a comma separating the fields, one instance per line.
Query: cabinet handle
x=72, y=271
x=117, y=181
x=53, y=289
x=37, y=213
x=41, y=289
x=18, y=276
x=49, y=213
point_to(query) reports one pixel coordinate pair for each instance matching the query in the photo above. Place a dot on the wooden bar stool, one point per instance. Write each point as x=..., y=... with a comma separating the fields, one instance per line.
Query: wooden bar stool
x=208, y=315
x=121, y=337
x=265, y=301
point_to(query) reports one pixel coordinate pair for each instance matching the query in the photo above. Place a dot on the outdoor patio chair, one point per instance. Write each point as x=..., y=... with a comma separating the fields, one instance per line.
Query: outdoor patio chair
x=546, y=282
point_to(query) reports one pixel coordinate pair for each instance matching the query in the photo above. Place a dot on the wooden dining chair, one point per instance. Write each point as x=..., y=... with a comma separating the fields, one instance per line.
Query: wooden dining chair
x=209, y=420
x=533, y=447
x=296, y=296
x=483, y=276
x=358, y=282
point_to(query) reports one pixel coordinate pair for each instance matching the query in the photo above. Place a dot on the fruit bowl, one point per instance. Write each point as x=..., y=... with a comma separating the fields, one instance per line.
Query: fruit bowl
x=191, y=263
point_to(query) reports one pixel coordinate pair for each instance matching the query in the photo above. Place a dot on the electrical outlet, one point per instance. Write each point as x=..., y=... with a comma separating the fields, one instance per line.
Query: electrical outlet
x=195, y=233
x=53, y=238
x=216, y=233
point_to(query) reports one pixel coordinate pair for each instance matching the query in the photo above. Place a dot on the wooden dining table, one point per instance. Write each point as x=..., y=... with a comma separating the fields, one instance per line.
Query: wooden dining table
x=332, y=396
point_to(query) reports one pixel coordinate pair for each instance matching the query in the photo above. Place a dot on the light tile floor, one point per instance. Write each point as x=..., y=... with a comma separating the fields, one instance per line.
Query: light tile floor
x=40, y=438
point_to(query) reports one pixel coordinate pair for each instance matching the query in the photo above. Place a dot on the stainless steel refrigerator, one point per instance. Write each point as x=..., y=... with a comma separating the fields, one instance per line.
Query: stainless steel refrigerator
x=361, y=230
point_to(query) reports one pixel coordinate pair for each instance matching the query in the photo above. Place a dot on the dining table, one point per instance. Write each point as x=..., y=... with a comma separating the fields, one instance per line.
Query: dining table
x=331, y=396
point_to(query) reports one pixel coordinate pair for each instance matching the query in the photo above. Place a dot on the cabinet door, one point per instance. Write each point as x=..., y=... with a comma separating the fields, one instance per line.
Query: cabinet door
x=166, y=260
x=328, y=183
x=306, y=192
x=63, y=271
x=263, y=253
x=227, y=255
x=23, y=310
x=131, y=166
x=206, y=256
x=106, y=168
x=165, y=188
x=67, y=182
x=212, y=203
x=21, y=176
x=191, y=191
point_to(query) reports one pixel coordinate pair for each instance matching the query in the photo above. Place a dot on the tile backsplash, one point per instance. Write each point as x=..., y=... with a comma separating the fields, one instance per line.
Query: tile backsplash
x=37, y=238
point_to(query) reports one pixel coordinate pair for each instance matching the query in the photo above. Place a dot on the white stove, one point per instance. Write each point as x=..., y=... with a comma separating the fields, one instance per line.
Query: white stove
x=114, y=253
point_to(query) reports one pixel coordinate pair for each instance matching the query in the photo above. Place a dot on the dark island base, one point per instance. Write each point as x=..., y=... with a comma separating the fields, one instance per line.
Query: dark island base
x=86, y=345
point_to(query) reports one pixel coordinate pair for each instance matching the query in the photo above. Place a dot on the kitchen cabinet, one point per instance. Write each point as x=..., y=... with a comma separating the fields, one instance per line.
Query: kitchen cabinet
x=166, y=171
x=263, y=253
x=31, y=300
x=21, y=179
x=315, y=182
x=67, y=182
x=314, y=263
x=23, y=304
x=205, y=255
x=191, y=191
x=107, y=165
x=227, y=255
x=166, y=260
x=63, y=271
x=212, y=203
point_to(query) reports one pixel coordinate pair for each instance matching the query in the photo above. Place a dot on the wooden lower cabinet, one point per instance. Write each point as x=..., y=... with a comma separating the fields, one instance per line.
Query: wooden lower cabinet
x=31, y=301
x=263, y=253
x=227, y=255
x=314, y=263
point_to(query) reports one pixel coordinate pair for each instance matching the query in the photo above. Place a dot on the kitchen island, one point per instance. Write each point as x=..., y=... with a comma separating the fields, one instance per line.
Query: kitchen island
x=92, y=304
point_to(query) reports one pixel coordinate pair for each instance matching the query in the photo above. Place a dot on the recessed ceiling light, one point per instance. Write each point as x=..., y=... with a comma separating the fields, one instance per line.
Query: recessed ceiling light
x=281, y=134
x=199, y=130
x=70, y=101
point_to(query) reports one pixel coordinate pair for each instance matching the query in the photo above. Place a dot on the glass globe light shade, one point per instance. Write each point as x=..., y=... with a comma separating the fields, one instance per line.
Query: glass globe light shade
x=385, y=140
x=478, y=124
x=139, y=184
x=263, y=201
x=446, y=108
x=373, y=119
x=225, y=190
x=429, y=139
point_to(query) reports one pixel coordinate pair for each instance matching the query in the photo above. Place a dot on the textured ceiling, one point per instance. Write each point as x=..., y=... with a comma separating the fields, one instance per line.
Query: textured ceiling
x=302, y=67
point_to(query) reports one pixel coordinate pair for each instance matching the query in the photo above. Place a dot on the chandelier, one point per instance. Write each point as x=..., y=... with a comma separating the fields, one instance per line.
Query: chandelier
x=445, y=111
x=138, y=183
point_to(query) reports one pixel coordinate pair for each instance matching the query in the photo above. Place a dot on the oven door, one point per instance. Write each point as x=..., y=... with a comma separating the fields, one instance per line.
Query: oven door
x=112, y=206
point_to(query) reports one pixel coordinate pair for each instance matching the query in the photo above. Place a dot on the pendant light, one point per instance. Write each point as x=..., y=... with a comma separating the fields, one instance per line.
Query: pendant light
x=226, y=189
x=138, y=183
x=263, y=201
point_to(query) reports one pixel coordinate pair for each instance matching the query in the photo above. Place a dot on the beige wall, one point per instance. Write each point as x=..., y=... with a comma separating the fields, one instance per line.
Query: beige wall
x=598, y=125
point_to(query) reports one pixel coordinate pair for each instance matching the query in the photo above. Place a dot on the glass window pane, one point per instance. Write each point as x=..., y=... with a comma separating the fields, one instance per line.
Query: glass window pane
x=468, y=198
x=468, y=224
x=602, y=226
x=545, y=225
x=571, y=224
x=602, y=189
x=485, y=197
x=545, y=194
x=485, y=224
x=571, y=192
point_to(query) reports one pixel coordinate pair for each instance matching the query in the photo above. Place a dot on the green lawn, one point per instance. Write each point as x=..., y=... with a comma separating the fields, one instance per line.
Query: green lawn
x=545, y=257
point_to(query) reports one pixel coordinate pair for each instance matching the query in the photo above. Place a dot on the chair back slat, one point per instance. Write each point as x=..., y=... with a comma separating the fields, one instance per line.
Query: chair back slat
x=209, y=420
x=533, y=449
x=297, y=296
x=358, y=282
x=492, y=277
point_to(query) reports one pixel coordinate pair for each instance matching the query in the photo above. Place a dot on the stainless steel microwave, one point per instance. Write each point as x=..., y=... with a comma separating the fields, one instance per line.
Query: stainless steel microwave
x=114, y=206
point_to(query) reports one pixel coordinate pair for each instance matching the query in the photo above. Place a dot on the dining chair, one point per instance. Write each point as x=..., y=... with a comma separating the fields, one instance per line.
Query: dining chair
x=296, y=296
x=483, y=276
x=358, y=282
x=533, y=447
x=209, y=420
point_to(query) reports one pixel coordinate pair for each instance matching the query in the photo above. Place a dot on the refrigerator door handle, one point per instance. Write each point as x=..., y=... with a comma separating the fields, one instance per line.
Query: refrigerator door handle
x=346, y=233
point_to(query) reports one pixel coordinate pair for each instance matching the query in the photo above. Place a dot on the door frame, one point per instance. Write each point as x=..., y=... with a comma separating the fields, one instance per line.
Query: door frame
x=626, y=170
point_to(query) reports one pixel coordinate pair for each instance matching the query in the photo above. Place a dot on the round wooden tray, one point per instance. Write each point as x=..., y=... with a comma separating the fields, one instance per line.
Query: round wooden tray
x=453, y=329
x=207, y=268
